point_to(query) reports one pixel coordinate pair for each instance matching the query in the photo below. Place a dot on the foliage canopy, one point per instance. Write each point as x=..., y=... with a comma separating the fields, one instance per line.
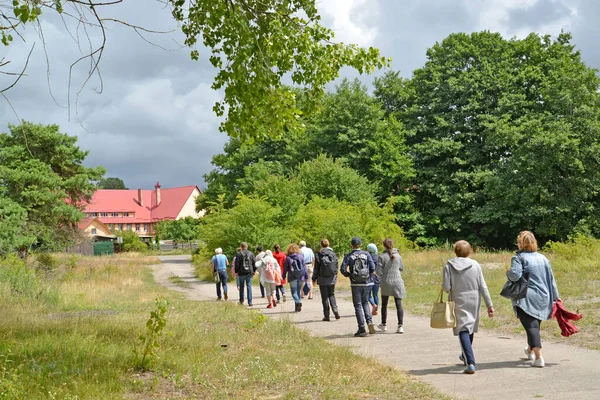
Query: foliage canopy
x=43, y=185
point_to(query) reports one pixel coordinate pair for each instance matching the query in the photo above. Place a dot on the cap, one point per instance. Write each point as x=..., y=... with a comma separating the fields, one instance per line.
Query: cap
x=372, y=248
x=356, y=241
x=302, y=243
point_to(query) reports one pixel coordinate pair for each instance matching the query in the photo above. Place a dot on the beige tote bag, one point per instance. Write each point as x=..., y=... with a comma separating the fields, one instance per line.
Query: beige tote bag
x=442, y=315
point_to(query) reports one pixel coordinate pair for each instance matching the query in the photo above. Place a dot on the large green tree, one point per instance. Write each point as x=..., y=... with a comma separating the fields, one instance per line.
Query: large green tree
x=181, y=231
x=505, y=137
x=42, y=171
x=111, y=183
x=352, y=125
x=253, y=44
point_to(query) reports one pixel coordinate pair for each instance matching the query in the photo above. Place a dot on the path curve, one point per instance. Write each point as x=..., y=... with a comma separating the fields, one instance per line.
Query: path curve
x=429, y=354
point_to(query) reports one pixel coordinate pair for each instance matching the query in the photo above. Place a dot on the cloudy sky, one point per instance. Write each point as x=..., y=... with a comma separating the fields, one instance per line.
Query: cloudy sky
x=154, y=120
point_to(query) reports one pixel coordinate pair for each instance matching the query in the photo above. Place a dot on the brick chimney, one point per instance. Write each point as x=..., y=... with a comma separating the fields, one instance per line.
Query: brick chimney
x=140, y=198
x=157, y=187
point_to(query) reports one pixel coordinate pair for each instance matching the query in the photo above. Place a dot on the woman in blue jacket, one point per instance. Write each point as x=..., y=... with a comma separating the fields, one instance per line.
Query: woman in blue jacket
x=536, y=306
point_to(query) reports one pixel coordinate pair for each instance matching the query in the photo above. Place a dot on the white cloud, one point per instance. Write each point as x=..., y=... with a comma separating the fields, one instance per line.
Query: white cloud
x=352, y=20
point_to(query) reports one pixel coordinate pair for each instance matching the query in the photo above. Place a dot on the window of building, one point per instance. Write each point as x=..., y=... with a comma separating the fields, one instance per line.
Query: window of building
x=146, y=227
x=120, y=227
x=137, y=227
x=104, y=214
x=115, y=214
x=126, y=214
x=93, y=231
x=129, y=226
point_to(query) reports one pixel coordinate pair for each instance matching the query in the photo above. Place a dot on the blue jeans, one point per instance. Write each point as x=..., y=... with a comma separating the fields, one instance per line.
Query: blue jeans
x=466, y=342
x=360, y=298
x=223, y=277
x=295, y=287
x=374, y=295
x=247, y=280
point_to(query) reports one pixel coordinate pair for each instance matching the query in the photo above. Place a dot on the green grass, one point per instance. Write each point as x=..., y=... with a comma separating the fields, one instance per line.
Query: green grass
x=73, y=337
x=179, y=282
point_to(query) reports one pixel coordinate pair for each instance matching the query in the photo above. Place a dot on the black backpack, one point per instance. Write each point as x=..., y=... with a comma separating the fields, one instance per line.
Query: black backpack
x=359, y=271
x=295, y=268
x=329, y=263
x=246, y=265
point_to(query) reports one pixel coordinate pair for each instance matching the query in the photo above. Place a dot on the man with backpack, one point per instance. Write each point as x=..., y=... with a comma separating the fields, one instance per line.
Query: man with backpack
x=358, y=265
x=325, y=275
x=245, y=267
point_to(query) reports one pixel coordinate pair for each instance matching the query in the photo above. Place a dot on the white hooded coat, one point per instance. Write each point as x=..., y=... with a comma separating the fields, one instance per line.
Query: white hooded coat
x=463, y=279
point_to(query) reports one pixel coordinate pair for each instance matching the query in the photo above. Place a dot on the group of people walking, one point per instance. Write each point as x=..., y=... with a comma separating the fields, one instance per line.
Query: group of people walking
x=370, y=272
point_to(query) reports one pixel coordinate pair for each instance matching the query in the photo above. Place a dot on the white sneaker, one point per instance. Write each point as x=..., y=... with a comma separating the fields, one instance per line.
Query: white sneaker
x=530, y=355
x=382, y=327
x=539, y=363
x=400, y=329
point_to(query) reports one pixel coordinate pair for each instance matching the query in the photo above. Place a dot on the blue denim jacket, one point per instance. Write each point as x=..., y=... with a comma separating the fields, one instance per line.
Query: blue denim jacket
x=541, y=291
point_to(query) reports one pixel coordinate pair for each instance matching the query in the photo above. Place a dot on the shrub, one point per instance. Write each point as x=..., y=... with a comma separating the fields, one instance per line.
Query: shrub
x=18, y=277
x=578, y=247
x=46, y=262
x=132, y=242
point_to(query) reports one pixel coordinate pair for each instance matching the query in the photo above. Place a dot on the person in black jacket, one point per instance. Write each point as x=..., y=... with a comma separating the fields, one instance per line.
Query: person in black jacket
x=358, y=265
x=325, y=275
x=245, y=268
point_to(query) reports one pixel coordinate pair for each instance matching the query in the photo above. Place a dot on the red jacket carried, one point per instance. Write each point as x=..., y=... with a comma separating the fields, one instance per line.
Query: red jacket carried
x=563, y=317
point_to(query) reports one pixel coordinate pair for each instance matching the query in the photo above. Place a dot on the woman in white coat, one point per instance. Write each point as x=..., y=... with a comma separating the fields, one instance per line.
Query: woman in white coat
x=463, y=279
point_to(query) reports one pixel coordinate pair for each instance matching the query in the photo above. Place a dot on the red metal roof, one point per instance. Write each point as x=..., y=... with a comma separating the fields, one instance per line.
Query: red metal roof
x=109, y=201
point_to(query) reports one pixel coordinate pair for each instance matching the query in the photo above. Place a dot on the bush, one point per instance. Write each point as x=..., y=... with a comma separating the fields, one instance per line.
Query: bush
x=578, y=247
x=46, y=262
x=18, y=278
x=132, y=242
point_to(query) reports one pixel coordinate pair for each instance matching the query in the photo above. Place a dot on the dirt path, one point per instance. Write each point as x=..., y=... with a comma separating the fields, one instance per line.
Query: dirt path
x=430, y=354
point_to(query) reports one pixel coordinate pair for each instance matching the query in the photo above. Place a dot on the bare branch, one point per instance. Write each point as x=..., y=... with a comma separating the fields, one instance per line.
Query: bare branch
x=22, y=71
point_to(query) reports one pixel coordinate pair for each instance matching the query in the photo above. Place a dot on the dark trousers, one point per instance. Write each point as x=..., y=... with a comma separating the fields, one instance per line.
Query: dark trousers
x=223, y=277
x=262, y=290
x=328, y=298
x=532, y=328
x=279, y=291
x=399, y=309
x=360, y=298
x=466, y=343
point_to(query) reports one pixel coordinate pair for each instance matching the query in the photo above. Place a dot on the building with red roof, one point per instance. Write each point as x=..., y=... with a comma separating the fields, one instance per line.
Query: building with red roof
x=139, y=210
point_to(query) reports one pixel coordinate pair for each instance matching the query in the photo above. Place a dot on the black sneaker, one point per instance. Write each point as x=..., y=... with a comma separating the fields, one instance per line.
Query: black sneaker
x=299, y=307
x=337, y=315
x=361, y=333
x=326, y=319
x=249, y=304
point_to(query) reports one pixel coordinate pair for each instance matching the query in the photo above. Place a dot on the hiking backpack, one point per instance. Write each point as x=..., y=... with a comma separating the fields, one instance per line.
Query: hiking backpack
x=329, y=264
x=270, y=272
x=295, y=268
x=359, y=271
x=246, y=266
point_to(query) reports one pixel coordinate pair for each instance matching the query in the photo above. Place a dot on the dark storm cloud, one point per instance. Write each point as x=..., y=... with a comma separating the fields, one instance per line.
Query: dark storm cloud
x=153, y=121
x=540, y=14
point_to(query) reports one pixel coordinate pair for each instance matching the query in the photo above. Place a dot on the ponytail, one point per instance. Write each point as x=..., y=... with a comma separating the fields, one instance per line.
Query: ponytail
x=388, y=243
